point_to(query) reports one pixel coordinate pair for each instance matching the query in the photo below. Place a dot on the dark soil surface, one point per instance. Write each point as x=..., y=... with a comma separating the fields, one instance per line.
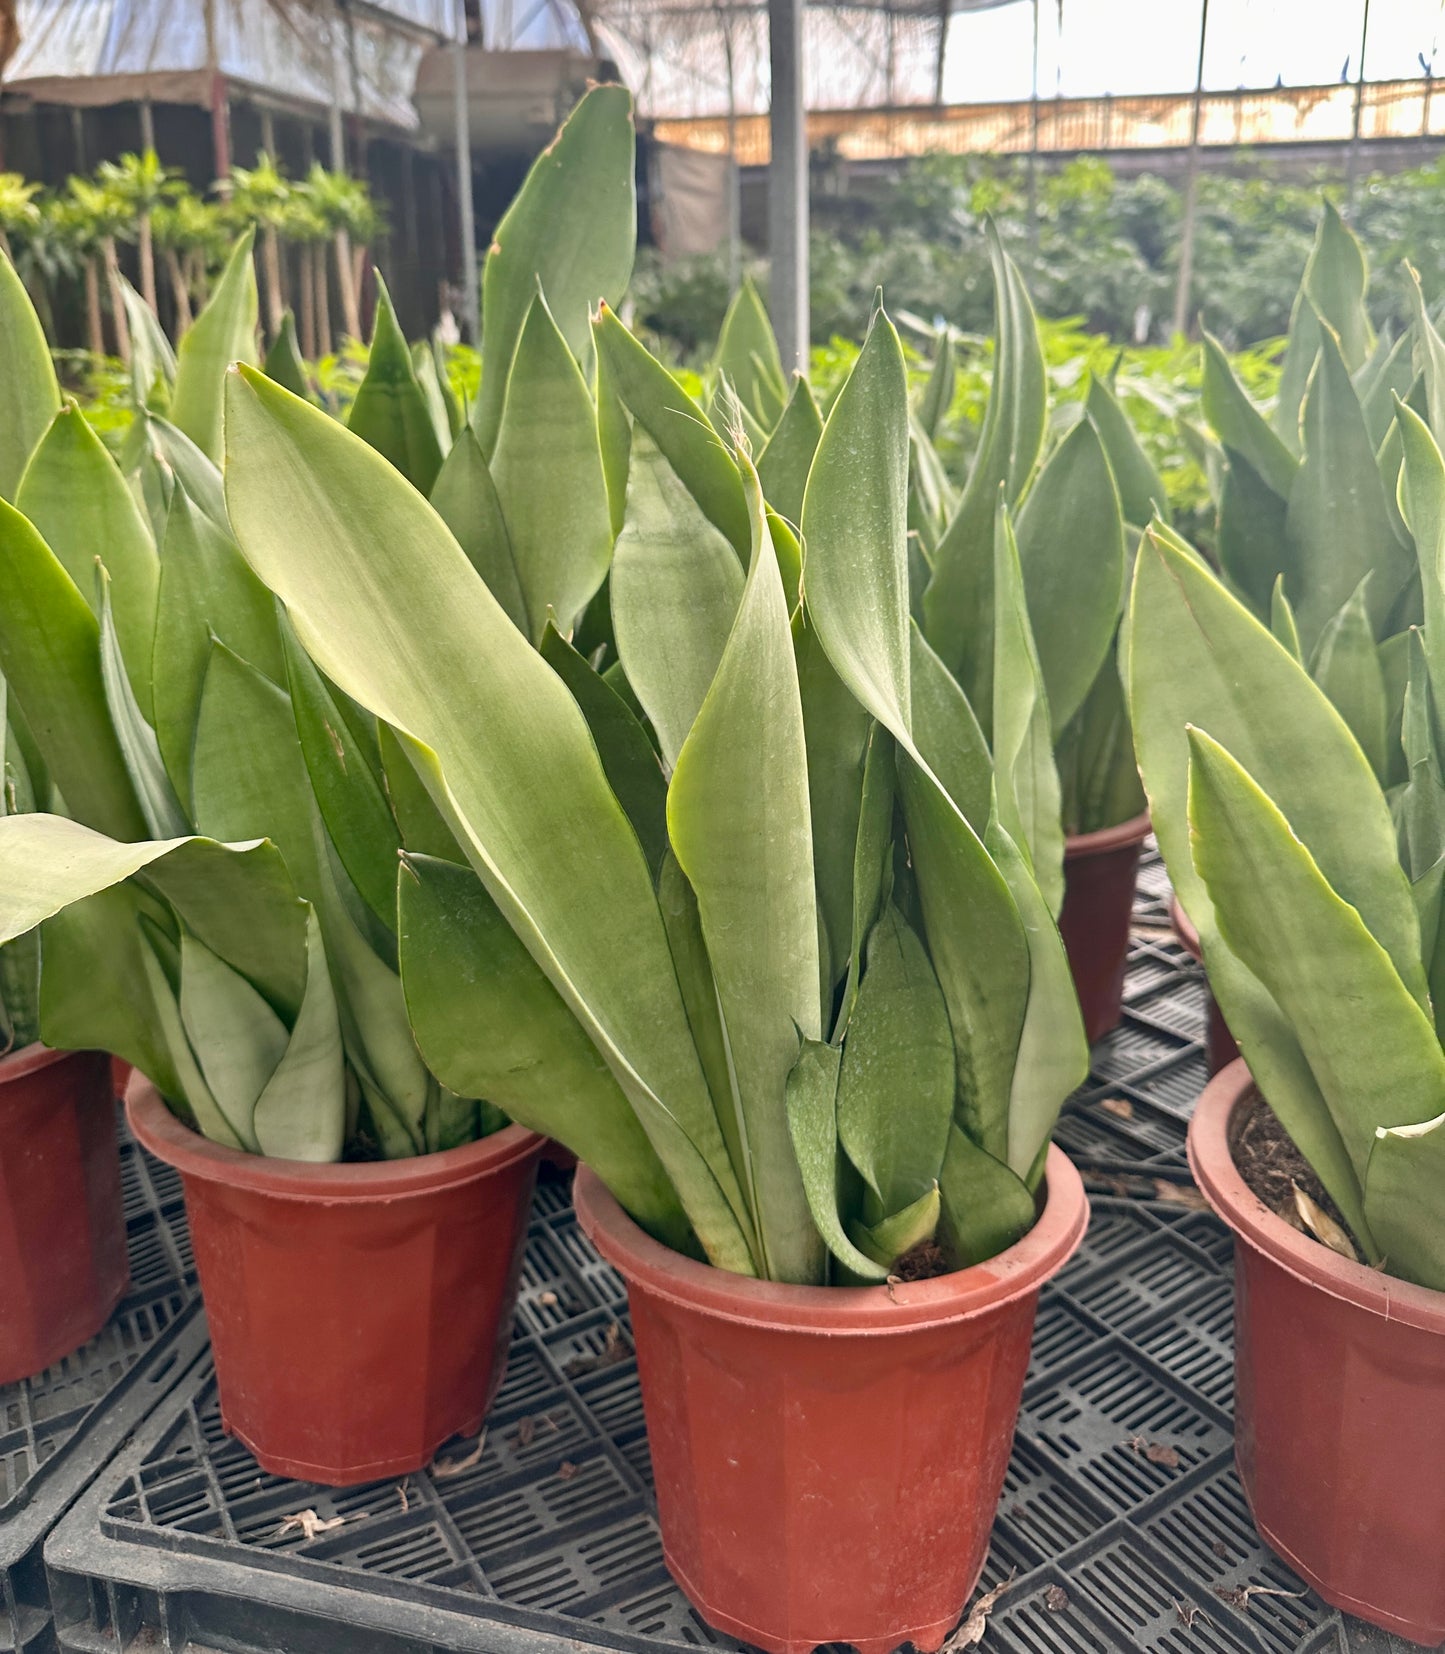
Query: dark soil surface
x=1269, y=1163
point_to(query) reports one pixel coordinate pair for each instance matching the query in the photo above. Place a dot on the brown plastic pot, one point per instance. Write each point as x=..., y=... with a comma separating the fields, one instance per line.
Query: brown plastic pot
x=1099, y=874
x=1339, y=1401
x=359, y=1314
x=1219, y=1047
x=828, y=1460
x=63, y=1263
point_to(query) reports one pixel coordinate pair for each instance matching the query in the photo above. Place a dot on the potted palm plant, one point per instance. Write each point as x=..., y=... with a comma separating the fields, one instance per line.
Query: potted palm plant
x=741, y=919
x=1315, y=892
x=358, y=1227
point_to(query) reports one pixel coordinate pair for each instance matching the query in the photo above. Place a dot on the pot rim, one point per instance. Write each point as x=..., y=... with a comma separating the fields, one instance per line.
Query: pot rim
x=1252, y=1222
x=1184, y=928
x=30, y=1059
x=829, y=1310
x=1104, y=839
x=194, y=1156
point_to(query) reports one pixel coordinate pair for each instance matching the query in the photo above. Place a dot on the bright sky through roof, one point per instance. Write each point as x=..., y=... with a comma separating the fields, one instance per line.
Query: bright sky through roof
x=1123, y=46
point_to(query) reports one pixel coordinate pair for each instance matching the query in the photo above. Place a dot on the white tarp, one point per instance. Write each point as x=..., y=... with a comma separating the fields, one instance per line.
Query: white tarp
x=296, y=51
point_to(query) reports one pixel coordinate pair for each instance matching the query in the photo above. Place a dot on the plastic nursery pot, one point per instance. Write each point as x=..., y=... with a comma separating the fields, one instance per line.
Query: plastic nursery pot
x=63, y=1263
x=1339, y=1400
x=1099, y=873
x=359, y=1314
x=1219, y=1047
x=828, y=1460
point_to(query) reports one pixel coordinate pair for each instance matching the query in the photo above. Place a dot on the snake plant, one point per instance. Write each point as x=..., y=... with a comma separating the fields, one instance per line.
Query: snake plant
x=1313, y=878
x=731, y=902
x=159, y=691
x=1310, y=535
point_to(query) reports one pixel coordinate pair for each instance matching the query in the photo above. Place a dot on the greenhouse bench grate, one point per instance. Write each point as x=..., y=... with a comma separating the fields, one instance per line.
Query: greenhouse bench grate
x=58, y=1428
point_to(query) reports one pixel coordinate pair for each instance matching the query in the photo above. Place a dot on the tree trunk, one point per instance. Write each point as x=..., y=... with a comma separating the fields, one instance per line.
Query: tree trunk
x=146, y=249
x=358, y=285
x=198, y=286
x=94, y=329
x=320, y=269
x=179, y=291
x=308, y=301
x=271, y=258
x=350, y=310
x=117, y=303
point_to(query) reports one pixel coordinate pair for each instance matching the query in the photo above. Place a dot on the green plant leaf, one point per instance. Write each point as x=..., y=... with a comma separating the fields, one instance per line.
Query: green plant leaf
x=738, y=818
x=1098, y=778
x=1338, y=527
x=1336, y=279
x=1346, y=665
x=872, y=862
x=985, y=1208
x=348, y=790
x=678, y=426
x=390, y=411
x=940, y=385
x=855, y=516
x=32, y=394
x=958, y=605
x=947, y=733
x=164, y=815
x=206, y=591
x=784, y=463
x=423, y=830
x=894, y=1237
x=676, y=584
x=1428, y=355
x=301, y=1112
x=1240, y=426
x=50, y=657
x=1026, y=782
x=1311, y=950
x=747, y=354
x=1071, y=552
x=465, y=498
x=1422, y=504
x=898, y=1047
x=548, y=470
x=1142, y=494
x=1253, y=550
x=283, y=364
x=1053, y=1054
x=812, y=1086
x=237, y=1039
x=583, y=179
x=224, y=332
x=74, y=494
x=627, y=755
x=490, y=1024
x=1402, y=1200
x=979, y=948
x=387, y=605
x=1282, y=621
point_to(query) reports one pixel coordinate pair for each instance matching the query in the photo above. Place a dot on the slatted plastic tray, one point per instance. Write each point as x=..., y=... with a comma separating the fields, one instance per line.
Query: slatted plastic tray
x=59, y=1428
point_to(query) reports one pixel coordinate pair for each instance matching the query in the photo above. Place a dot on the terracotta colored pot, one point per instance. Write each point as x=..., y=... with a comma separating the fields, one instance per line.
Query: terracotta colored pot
x=120, y=1073
x=1339, y=1401
x=828, y=1460
x=359, y=1314
x=63, y=1263
x=1100, y=870
x=1219, y=1047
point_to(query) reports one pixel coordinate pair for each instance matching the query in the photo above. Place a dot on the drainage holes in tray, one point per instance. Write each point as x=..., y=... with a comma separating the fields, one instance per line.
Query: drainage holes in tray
x=1051, y=1618
x=1123, y=1430
x=1129, y=1289
x=1046, y=1515
x=508, y=1525
x=661, y=1611
x=1060, y=1334
x=1134, y=1590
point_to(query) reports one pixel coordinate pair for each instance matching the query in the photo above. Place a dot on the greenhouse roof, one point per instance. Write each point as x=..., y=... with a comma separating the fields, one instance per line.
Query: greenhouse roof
x=293, y=52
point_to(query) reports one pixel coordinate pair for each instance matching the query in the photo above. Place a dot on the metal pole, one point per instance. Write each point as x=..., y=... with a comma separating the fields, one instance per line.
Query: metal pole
x=147, y=127
x=1034, y=135
x=1182, y=292
x=734, y=178
x=1353, y=162
x=788, y=182
x=471, y=292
